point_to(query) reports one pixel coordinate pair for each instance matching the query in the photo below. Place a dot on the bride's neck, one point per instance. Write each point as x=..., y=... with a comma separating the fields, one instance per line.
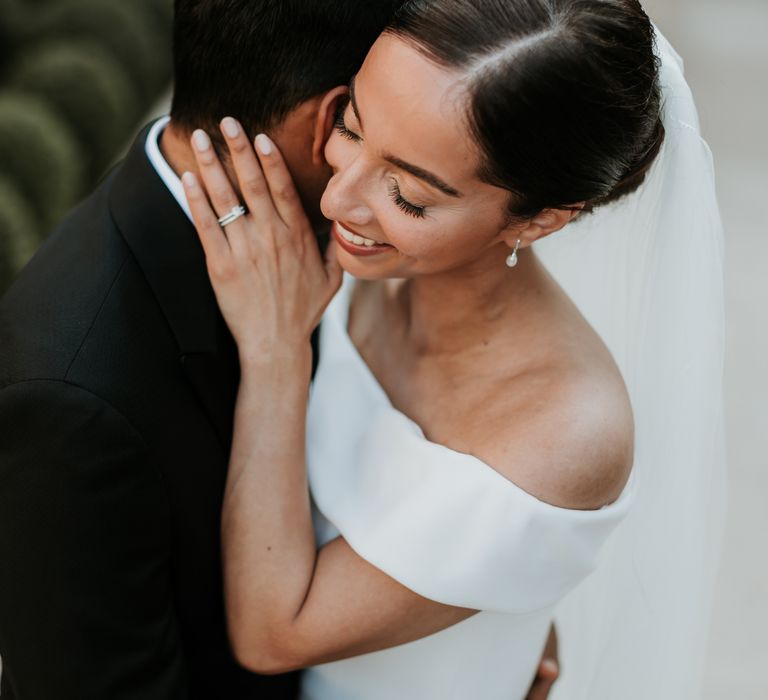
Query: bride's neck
x=453, y=311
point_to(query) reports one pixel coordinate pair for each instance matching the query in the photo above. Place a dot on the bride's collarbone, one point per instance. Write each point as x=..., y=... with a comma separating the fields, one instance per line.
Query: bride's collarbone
x=556, y=423
x=489, y=371
x=539, y=400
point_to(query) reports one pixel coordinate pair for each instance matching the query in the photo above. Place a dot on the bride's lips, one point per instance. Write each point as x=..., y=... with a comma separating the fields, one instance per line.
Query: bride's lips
x=342, y=234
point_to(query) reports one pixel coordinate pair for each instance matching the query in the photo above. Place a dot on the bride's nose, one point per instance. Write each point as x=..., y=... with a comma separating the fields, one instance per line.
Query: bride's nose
x=345, y=198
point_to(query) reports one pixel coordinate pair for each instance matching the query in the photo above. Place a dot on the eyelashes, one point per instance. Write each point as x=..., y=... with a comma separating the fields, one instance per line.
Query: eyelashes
x=403, y=204
x=394, y=189
x=340, y=124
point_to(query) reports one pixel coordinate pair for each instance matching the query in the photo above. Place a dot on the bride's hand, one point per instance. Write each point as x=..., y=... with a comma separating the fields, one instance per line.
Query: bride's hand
x=266, y=268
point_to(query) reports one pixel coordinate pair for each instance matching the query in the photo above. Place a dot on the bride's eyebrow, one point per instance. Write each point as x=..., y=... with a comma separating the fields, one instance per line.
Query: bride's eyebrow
x=428, y=177
x=425, y=175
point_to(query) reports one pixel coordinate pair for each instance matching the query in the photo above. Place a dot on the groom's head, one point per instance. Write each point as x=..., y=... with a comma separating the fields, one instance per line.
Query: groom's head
x=273, y=65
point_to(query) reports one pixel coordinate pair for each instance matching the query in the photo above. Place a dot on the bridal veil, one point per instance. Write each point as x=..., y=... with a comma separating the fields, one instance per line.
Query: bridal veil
x=647, y=272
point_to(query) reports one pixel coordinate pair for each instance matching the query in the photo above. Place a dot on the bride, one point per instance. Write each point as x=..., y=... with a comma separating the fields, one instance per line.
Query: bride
x=468, y=446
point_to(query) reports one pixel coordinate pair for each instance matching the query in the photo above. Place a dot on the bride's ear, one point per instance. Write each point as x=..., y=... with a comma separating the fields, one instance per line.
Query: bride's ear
x=543, y=224
x=324, y=121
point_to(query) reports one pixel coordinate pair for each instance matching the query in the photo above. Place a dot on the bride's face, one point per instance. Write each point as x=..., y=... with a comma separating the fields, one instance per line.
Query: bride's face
x=406, y=173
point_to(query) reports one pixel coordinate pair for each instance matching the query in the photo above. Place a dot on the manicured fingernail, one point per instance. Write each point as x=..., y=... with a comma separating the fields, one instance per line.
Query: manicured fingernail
x=230, y=127
x=550, y=666
x=189, y=179
x=264, y=144
x=202, y=142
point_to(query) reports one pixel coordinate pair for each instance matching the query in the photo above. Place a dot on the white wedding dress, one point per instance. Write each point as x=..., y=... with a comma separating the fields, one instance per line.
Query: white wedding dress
x=647, y=273
x=445, y=525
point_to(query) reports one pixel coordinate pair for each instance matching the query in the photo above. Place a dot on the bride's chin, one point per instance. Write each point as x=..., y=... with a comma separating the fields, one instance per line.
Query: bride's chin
x=362, y=272
x=364, y=268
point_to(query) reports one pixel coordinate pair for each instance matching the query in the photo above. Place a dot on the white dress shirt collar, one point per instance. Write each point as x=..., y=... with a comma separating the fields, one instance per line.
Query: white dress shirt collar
x=160, y=164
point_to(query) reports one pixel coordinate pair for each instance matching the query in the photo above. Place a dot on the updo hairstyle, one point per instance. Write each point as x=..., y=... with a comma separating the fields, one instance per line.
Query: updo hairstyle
x=565, y=102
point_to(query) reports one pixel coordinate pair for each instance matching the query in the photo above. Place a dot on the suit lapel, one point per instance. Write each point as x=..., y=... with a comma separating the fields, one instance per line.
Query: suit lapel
x=167, y=248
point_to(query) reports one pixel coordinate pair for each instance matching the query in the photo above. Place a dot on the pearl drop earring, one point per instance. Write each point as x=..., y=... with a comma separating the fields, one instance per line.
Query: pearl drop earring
x=512, y=259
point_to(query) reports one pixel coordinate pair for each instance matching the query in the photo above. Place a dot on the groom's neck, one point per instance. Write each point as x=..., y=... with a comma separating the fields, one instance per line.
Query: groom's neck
x=177, y=151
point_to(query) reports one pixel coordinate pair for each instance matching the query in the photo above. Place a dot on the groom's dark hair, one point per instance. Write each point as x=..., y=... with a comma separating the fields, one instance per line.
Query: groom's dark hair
x=257, y=60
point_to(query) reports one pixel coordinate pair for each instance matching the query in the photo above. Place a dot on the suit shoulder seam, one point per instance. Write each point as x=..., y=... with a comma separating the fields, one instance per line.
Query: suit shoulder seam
x=82, y=389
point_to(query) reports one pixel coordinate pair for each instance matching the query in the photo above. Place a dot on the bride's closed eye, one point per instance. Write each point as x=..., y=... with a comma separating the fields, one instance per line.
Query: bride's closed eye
x=341, y=126
x=418, y=212
x=403, y=204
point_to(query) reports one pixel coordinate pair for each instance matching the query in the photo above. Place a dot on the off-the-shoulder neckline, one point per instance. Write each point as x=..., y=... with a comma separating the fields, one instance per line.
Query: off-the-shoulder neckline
x=339, y=316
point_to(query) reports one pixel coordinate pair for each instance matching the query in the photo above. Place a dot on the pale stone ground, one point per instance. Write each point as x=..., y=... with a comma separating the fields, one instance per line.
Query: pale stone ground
x=725, y=47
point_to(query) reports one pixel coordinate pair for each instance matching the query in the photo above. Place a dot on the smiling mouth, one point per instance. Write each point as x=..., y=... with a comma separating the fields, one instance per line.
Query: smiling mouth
x=355, y=244
x=356, y=238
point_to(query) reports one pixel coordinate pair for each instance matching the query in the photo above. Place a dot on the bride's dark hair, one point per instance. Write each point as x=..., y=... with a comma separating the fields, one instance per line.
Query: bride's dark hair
x=565, y=101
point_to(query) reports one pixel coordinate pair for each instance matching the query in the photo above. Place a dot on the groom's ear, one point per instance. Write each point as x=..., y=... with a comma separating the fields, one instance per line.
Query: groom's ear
x=326, y=117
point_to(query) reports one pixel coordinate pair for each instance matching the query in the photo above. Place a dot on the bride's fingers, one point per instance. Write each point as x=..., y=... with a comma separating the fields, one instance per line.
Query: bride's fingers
x=281, y=186
x=217, y=184
x=214, y=241
x=250, y=177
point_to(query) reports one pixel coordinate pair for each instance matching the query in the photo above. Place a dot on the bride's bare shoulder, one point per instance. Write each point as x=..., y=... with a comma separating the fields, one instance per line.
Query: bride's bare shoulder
x=563, y=434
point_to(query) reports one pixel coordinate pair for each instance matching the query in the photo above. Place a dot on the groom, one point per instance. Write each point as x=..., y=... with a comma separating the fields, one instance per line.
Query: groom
x=118, y=380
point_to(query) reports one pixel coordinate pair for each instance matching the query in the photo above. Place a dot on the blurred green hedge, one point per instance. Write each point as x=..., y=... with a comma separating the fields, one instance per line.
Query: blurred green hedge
x=41, y=156
x=91, y=92
x=76, y=77
x=128, y=30
x=162, y=10
x=17, y=231
x=8, y=23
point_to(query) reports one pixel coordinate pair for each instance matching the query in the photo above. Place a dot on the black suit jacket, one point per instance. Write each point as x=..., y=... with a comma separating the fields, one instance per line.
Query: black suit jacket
x=117, y=388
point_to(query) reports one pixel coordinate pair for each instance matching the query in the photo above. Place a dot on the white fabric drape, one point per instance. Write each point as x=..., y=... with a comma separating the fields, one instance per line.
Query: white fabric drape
x=647, y=272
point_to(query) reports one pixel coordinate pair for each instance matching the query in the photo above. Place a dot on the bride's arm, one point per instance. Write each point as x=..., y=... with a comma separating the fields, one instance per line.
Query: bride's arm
x=288, y=605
